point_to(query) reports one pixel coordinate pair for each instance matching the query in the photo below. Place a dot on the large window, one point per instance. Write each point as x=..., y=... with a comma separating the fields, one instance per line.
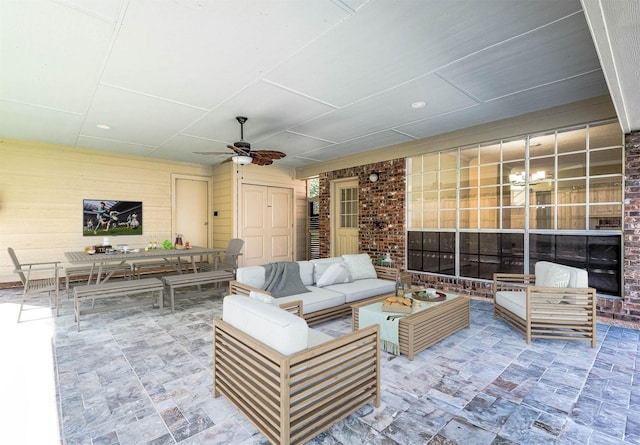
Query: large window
x=490, y=198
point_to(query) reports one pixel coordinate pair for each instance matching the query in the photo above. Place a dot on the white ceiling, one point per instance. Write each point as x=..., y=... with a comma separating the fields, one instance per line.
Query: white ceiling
x=318, y=79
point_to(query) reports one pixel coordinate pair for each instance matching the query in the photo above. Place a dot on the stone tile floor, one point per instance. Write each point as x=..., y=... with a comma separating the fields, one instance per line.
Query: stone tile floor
x=141, y=376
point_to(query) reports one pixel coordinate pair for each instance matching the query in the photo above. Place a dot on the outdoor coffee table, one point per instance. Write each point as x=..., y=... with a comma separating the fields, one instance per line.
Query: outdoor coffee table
x=425, y=326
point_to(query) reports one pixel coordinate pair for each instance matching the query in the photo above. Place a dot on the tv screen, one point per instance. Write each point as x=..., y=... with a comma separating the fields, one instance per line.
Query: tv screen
x=105, y=217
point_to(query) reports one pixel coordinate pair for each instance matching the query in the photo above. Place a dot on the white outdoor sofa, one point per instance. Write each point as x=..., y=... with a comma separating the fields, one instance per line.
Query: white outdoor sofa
x=330, y=294
x=555, y=302
x=291, y=382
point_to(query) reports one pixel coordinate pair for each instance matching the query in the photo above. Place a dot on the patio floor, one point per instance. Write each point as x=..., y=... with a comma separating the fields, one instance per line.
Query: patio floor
x=141, y=376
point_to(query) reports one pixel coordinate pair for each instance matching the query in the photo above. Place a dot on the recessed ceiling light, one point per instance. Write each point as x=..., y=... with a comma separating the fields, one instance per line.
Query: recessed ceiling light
x=103, y=127
x=418, y=104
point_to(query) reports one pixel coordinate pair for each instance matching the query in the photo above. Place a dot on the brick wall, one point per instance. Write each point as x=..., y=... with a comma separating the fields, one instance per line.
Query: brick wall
x=381, y=212
x=629, y=308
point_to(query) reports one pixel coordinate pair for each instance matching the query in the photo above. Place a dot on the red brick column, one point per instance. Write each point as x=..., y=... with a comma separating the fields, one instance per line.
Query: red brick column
x=629, y=310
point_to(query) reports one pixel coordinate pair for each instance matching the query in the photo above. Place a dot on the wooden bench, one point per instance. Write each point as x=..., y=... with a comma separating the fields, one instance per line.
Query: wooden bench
x=114, y=289
x=174, y=282
x=157, y=266
x=84, y=271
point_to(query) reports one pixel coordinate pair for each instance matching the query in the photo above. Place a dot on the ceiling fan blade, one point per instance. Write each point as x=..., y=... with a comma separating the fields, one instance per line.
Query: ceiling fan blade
x=259, y=160
x=273, y=154
x=240, y=151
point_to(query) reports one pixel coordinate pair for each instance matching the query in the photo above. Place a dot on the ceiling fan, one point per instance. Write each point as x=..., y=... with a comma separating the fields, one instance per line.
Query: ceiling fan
x=244, y=154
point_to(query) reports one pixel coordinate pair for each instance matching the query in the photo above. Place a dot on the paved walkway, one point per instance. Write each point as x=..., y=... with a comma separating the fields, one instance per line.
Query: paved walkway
x=141, y=376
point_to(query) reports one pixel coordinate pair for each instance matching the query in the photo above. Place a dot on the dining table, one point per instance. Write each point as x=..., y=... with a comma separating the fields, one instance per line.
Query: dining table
x=171, y=256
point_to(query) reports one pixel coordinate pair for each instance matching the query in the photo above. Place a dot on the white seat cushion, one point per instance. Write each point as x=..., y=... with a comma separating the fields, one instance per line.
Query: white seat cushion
x=269, y=324
x=316, y=300
x=514, y=301
x=364, y=288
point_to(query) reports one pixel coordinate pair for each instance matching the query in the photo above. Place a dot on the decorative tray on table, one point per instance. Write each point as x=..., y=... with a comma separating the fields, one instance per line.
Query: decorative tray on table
x=423, y=295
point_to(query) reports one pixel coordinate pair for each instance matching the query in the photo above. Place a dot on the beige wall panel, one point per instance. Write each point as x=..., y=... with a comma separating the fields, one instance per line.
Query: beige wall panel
x=223, y=192
x=42, y=187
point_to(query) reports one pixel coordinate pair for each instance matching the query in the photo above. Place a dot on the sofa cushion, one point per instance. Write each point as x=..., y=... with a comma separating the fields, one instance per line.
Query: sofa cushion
x=316, y=300
x=360, y=266
x=269, y=324
x=251, y=276
x=321, y=265
x=336, y=273
x=306, y=272
x=365, y=288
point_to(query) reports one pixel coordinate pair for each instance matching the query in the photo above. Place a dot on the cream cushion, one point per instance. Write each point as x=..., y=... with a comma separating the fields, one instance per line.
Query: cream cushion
x=360, y=266
x=264, y=298
x=336, y=273
x=317, y=299
x=321, y=265
x=269, y=324
x=577, y=277
x=365, y=288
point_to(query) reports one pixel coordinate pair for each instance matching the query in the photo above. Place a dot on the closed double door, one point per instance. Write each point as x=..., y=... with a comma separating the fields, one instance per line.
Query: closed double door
x=267, y=224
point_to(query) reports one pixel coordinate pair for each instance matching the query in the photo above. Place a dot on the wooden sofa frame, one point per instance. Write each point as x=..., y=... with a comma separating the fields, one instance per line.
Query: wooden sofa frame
x=292, y=398
x=558, y=313
x=340, y=311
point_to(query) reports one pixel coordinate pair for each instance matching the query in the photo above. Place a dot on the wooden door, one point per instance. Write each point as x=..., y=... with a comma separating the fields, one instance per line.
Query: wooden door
x=344, y=214
x=267, y=224
x=191, y=209
x=280, y=202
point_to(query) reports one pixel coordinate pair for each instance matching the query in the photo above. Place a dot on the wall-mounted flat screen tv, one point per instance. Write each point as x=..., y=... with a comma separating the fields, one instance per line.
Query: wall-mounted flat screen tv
x=105, y=217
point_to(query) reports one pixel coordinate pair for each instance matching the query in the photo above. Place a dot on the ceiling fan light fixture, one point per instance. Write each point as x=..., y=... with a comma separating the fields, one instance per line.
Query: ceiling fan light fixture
x=241, y=159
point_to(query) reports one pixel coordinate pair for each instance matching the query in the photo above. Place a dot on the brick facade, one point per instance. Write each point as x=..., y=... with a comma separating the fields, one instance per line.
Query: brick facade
x=382, y=229
x=381, y=212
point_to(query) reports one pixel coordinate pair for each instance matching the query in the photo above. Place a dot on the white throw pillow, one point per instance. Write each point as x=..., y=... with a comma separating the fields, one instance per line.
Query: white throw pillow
x=320, y=266
x=261, y=297
x=360, y=266
x=336, y=273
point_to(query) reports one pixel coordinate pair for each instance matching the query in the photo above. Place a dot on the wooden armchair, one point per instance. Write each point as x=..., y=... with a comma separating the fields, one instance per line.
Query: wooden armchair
x=291, y=397
x=40, y=280
x=539, y=305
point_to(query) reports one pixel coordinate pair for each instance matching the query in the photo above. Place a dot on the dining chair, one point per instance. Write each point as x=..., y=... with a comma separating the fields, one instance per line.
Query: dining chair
x=228, y=259
x=37, y=278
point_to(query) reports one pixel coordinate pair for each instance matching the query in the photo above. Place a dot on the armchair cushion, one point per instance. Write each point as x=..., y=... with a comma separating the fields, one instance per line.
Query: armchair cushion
x=514, y=301
x=269, y=324
x=555, y=277
x=577, y=277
